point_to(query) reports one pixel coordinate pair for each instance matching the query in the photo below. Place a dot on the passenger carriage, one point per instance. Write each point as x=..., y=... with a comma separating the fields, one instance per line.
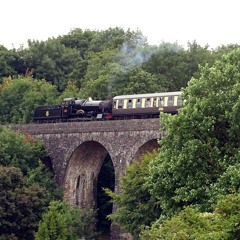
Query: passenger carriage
x=146, y=105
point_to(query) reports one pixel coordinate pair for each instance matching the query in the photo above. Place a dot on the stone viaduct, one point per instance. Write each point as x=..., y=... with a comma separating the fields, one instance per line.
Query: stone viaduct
x=78, y=150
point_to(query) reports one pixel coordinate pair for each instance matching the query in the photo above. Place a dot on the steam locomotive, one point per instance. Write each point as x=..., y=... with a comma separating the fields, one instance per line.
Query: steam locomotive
x=120, y=107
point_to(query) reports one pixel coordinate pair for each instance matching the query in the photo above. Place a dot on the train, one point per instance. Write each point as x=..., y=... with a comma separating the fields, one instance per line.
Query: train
x=134, y=106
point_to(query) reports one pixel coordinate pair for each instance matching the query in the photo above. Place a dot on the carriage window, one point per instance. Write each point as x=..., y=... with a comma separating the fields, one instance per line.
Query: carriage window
x=148, y=103
x=129, y=103
x=138, y=103
x=179, y=101
x=161, y=101
x=120, y=103
x=154, y=102
x=170, y=101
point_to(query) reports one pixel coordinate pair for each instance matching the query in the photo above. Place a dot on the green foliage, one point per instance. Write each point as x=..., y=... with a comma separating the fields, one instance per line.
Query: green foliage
x=195, y=57
x=202, y=141
x=228, y=207
x=43, y=177
x=199, y=159
x=224, y=49
x=23, y=152
x=7, y=59
x=113, y=38
x=228, y=182
x=21, y=205
x=19, y=150
x=78, y=39
x=67, y=58
x=222, y=223
x=102, y=62
x=96, y=80
x=138, y=81
x=136, y=207
x=52, y=61
x=63, y=222
x=176, y=64
x=19, y=97
x=70, y=91
x=188, y=224
x=119, y=71
x=26, y=185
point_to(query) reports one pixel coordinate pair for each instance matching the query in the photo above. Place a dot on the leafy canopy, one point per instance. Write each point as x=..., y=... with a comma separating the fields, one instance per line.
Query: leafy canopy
x=28, y=154
x=26, y=184
x=20, y=96
x=64, y=222
x=21, y=205
x=201, y=147
x=222, y=223
x=20, y=150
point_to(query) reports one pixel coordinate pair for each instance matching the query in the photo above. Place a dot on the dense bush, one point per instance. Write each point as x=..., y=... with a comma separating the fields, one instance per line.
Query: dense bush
x=21, y=205
x=20, y=96
x=64, y=222
x=26, y=186
x=222, y=223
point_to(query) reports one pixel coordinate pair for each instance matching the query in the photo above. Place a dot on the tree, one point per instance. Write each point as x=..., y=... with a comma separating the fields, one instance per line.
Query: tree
x=224, y=49
x=115, y=38
x=21, y=205
x=136, y=207
x=119, y=71
x=43, y=177
x=222, y=223
x=78, y=39
x=20, y=150
x=202, y=141
x=196, y=56
x=96, y=80
x=137, y=81
x=28, y=154
x=176, y=64
x=7, y=60
x=70, y=91
x=52, y=61
x=168, y=61
x=63, y=222
x=20, y=96
x=26, y=184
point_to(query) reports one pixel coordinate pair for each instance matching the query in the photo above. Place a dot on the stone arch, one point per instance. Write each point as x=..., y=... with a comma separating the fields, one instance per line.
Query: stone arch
x=149, y=146
x=80, y=182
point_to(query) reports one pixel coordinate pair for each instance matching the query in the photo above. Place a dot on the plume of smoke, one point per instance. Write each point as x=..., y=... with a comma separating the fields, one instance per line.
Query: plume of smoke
x=135, y=56
x=132, y=56
x=128, y=58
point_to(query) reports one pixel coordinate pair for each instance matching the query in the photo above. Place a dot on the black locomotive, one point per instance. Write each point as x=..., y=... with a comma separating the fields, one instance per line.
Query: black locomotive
x=73, y=109
x=120, y=107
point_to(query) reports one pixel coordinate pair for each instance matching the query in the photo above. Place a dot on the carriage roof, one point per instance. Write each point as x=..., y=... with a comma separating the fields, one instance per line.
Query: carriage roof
x=147, y=95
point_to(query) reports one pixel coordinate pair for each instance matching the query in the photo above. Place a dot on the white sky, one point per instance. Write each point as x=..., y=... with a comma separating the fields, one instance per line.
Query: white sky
x=212, y=22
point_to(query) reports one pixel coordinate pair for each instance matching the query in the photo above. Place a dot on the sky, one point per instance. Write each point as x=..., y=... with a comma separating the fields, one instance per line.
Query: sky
x=212, y=22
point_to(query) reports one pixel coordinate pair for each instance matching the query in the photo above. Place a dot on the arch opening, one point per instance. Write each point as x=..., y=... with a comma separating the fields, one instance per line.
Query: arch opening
x=89, y=170
x=106, y=179
x=148, y=147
